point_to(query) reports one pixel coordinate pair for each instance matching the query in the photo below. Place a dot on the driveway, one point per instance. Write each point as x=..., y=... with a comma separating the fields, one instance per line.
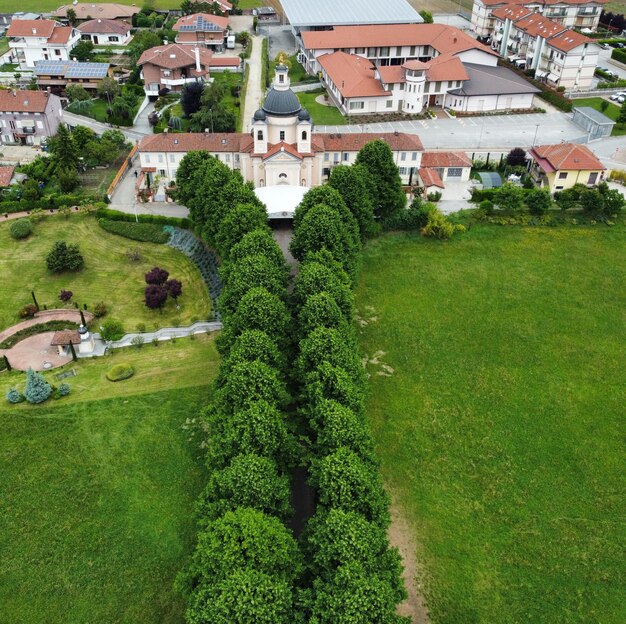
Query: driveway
x=254, y=89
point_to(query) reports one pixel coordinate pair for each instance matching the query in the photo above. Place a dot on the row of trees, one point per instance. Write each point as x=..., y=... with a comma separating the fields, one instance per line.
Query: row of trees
x=246, y=561
x=351, y=574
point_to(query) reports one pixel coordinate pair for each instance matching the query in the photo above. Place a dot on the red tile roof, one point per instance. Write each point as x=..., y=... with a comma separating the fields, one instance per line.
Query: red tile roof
x=536, y=25
x=282, y=147
x=24, y=101
x=446, y=67
x=195, y=21
x=568, y=40
x=567, y=156
x=352, y=142
x=31, y=28
x=392, y=73
x=430, y=177
x=511, y=11
x=174, y=56
x=65, y=337
x=441, y=37
x=105, y=10
x=354, y=76
x=445, y=159
x=193, y=142
x=104, y=26
x=6, y=175
x=61, y=34
x=225, y=61
x=544, y=2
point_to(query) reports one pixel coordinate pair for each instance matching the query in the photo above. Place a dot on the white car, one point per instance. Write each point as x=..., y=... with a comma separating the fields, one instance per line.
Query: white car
x=619, y=97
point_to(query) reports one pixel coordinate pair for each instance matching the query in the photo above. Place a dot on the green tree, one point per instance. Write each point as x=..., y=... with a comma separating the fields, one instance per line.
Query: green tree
x=516, y=157
x=323, y=228
x=538, y=201
x=188, y=175
x=83, y=135
x=246, y=597
x=63, y=257
x=82, y=51
x=355, y=597
x=251, y=345
x=239, y=221
x=566, y=199
x=384, y=178
x=248, y=383
x=71, y=17
x=31, y=190
x=315, y=278
x=328, y=382
x=142, y=40
x=427, y=16
x=249, y=273
x=260, y=429
x=258, y=242
x=320, y=310
x=191, y=98
x=509, y=197
x=250, y=481
x=352, y=186
x=68, y=179
x=592, y=201
x=37, y=388
x=108, y=88
x=64, y=149
x=621, y=118
x=328, y=345
x=212, y=114
x=77, y=93
x=613, y=201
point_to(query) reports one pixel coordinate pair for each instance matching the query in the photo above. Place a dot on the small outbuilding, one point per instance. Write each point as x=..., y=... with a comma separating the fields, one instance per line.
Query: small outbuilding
x=63, y=339
x=594, y=122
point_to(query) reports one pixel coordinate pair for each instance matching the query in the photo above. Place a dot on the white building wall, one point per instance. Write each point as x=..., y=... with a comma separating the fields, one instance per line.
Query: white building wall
x=478, y=57
x=475, y=104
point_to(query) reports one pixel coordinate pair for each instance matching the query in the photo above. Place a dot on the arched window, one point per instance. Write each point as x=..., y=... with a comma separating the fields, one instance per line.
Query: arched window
x=304, y=135
x=282, y=175
x=259, y=135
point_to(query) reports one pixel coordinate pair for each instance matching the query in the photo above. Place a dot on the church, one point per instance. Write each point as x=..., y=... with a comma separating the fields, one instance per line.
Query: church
x=283, y=156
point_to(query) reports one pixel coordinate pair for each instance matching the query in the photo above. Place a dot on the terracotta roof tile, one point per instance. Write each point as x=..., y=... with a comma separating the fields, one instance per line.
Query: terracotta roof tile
x=174, y=55
x=24, y=101
x=61, y=34
x=31, y=28
x=6, y=175
x=105, y=10
x=104, y=26
x=354, y=76
x=193, y=142
x=282, y=147
x=536, y=25
x=446, y=67
x=392, y=74
x=568, y=157
x=511, y=11
x=64, y=337
x=430, y=177
x=340, y=142
x=445, y=159
x=568, y=40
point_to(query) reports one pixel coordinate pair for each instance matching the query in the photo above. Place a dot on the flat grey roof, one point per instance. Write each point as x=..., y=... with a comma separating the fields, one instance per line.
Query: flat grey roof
x=593, y=114
x=348, y=12
x=487, y=80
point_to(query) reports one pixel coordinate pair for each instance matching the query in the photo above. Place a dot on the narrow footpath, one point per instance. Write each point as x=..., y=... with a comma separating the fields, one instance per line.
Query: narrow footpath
x=254, y=89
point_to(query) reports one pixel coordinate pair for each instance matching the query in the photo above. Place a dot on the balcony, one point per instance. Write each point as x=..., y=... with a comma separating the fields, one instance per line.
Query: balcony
x=176, y=82
x=25, y=130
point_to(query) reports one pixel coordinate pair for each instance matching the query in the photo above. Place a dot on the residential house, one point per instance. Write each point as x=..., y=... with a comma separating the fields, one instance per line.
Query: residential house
x=283, y=150
x=174, y=65
x=57, y=75
x=40, y=40
x=6, y=175
x=559, y=56
x=202, y=29
x=28, y=117
x=558, y=167
x=86, y=11
x=569, y=13
x=105, y=31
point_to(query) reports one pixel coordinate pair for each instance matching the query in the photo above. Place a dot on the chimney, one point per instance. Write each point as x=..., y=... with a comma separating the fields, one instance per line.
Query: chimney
x=198, y=68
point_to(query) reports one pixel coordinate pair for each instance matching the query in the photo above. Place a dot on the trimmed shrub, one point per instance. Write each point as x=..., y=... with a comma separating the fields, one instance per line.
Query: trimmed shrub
x=28, y=311
x=37, y=388
x=63, y=257
x=120, y=372
x=100, y=309
x=15, y=396
x=20, y=228
x=112, y=329
x=145, y=232
x=486, y=206
x=63, y=389
x=438, y=226
x=65, y=295
x=103, y=212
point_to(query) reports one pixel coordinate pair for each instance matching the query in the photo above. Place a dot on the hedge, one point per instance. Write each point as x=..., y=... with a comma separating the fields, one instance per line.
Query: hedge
x=115, y=215
x=144, y=232
x=45, y=203
x=120, y=372
x=619, y=55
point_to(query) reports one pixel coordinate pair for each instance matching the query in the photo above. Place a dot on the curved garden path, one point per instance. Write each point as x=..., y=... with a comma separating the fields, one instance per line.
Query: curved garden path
x=43, y=317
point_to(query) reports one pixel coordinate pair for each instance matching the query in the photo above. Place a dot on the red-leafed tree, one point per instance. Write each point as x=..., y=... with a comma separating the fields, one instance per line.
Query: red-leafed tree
x=155, y=296
x=157, y=276
x=174, y=288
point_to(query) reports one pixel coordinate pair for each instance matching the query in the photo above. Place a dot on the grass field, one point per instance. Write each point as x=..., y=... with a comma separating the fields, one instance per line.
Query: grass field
x=96, y=509
x=108, y=276
x=320, y=114
x=499, y=423
x=175, y=364
x=612, y=112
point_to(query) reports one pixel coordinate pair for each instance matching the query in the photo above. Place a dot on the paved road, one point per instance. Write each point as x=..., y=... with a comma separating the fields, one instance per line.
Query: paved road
x=254, y=90
x=72, y=119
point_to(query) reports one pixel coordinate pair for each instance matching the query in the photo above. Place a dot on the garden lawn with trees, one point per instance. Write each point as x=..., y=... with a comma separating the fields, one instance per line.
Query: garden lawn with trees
x=109, y=274
x=496, y=399
x=96, y=505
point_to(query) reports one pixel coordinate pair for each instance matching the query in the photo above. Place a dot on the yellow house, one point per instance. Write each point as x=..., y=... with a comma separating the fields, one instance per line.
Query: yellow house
x=558, y=167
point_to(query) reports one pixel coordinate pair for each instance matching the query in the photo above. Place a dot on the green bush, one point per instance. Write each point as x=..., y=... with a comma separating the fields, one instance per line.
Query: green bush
x=20, y=228
x=486, y=206
x=100, y=309
x=120, y=372
x=103, y=212
x=619, y=55
x=479, y=195
x=438, y=226
x=15, y=396
x=63, y=257
x=112, y=330
x=37, y=388
x=63, y=389
x=145, y=232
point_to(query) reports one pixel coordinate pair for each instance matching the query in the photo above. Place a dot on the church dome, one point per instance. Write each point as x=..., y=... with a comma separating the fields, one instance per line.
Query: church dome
x=260, y=115
x=304, y=115
x=282, y=103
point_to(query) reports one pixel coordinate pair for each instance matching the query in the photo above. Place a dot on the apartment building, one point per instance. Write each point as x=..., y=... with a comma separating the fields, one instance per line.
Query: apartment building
x=28, y=117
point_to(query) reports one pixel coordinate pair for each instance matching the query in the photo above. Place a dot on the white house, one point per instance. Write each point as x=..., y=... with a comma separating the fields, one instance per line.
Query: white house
x=40, y=40
x=105, y=31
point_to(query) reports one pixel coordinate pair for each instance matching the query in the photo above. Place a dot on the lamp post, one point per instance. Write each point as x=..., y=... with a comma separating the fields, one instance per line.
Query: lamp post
x=535, y=137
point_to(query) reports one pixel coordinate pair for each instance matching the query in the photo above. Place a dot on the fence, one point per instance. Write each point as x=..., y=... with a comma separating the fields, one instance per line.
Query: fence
x=122, y=170
x=572, y=95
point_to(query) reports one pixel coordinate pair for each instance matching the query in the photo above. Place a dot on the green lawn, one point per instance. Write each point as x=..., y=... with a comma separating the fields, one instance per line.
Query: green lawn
x=500, y=423
x=51, y=5
x=320, y=114
x=96, y=509
x=611, y=112
x=108, y=275
x=4, y=47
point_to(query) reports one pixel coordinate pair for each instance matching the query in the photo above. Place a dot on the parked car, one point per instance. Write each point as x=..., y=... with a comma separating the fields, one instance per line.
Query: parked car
x=616, y=97
x=605, y=46
x=619, y=45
